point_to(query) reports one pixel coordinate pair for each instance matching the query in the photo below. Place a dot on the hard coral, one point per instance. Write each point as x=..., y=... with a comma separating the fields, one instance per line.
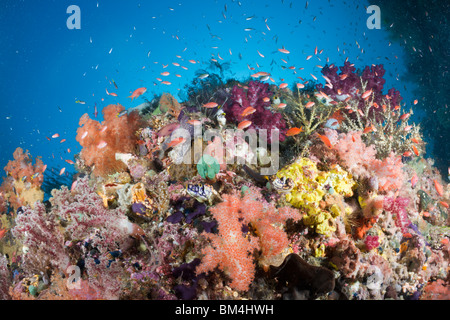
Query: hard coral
x=118, y=133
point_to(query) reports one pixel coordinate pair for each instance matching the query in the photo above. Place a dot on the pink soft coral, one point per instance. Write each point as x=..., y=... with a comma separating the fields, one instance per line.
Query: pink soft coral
x=101, y=141
x=397, y=206
x=360, y=161
x=354, y=154
x=389, y=172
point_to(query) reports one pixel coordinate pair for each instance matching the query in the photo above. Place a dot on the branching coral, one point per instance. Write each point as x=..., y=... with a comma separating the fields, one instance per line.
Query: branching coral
x=101, y=141
x=231, y=250
x=307, y=113
x=392, y=133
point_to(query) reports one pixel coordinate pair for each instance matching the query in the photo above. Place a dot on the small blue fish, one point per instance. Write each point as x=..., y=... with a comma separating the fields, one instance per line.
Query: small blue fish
x=24, y=178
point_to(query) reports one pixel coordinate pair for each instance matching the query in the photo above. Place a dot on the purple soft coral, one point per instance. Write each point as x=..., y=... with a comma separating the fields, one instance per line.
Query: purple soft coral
x=349, y=84
x=262, y=118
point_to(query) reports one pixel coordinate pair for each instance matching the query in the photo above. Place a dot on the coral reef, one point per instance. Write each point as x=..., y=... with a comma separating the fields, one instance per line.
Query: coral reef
x=351, y=209
x=231, y=250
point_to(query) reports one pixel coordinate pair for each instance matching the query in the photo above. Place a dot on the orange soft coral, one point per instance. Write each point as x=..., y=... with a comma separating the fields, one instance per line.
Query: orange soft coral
x=389, y=172
x=22, y=167
x=101, y=141
x=231, y=249
x=22, y=185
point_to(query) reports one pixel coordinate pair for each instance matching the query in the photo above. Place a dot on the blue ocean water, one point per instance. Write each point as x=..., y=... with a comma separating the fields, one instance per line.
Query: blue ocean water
x=45, y=67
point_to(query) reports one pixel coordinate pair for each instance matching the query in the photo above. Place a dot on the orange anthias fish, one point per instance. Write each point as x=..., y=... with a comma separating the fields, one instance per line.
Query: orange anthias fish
x=138, y=92
x=405, y=116
x=439, y=188
x=110, y=93
x=309, y=104
x=293, y=131
x=445, y=204
x=260, y=74
x=407, y=153
x=369, y=129
x=2, y=233
x=283, y=85
x=244, y=124
x=416, y=152
x=176, y=142
x=62, y=171
x=248, y=111
x=366, y=94
x=210, y=105
x=284, y=51
x=325, y=140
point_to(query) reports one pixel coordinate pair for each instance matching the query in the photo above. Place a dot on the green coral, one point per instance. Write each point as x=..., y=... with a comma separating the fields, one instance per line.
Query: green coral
x=311, y=187
x=208, y=166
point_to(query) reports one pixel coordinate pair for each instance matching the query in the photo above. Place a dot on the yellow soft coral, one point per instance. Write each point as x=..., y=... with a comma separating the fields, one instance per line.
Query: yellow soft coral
x=311, y=186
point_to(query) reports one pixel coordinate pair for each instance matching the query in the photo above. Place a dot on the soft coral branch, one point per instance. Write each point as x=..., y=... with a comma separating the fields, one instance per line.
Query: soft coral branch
x=101, y=141
x=231, y=249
